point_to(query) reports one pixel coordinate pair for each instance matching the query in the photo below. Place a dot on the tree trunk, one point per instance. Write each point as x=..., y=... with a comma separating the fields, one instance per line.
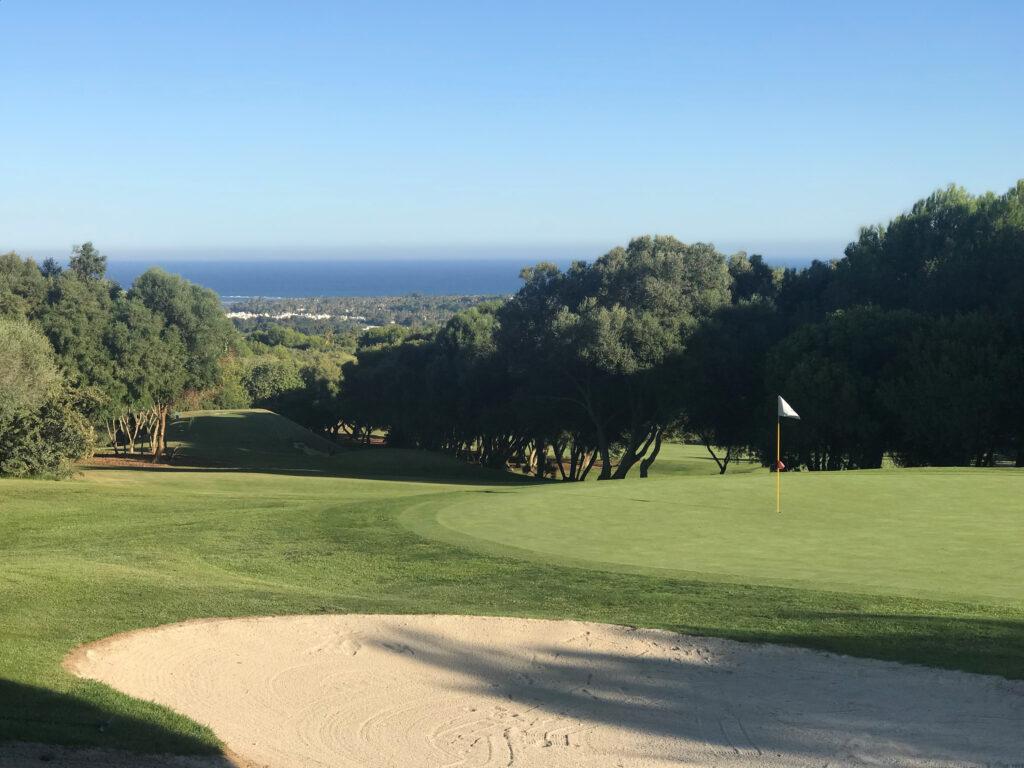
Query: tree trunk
x=540, y=454
x=586, y=471
x=606, y=462
x=646, y=463
x=159, y=431
x=634, y=452
x=111, y=432
x=722, y=464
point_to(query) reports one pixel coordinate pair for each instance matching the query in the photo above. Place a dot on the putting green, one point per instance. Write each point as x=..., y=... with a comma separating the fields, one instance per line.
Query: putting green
x=951, y=533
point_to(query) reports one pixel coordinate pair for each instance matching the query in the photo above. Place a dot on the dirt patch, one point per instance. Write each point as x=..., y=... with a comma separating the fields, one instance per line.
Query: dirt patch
x=141, y=461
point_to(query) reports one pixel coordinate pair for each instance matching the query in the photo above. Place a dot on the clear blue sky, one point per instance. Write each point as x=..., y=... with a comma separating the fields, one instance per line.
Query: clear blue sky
x=292, y=126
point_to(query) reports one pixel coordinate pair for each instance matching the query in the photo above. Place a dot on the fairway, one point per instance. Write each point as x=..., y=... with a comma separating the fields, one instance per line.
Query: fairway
x=948, y=533
x=912, y=566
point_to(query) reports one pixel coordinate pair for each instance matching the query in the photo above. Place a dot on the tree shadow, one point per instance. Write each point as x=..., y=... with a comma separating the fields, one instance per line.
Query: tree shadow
x=737, y=700
x=989, y=646
x=265, y=443
x=469, y=477
x=38, y=716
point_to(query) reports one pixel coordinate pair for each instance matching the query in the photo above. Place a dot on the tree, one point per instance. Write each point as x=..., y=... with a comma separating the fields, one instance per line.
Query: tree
x=608, y=335
x=149, y=360
x=22, y=286
x=952, y=252
x=752, y=278
x=50, y=267
x=841, y=372
x=266, y=377
x=193, y=318
x=40, y=432
x=76, y=317
x=87, y=263
x=958, y=403
x=723, y=377
x=28, y=373
x=46, y=440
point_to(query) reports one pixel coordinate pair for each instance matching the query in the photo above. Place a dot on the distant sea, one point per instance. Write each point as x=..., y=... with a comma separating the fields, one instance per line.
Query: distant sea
x=238, y=280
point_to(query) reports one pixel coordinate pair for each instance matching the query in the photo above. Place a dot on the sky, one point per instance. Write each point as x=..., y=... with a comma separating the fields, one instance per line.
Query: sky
x=245, y=127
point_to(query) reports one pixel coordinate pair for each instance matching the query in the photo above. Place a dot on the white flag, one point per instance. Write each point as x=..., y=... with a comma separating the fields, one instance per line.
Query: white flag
x=786, y=410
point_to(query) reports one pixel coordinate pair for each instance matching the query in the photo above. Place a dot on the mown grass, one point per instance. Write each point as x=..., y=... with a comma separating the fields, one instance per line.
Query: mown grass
x=122, y=549
x=940, y=533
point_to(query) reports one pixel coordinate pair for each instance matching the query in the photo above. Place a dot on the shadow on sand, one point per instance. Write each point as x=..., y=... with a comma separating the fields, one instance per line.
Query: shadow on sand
x=740, y=700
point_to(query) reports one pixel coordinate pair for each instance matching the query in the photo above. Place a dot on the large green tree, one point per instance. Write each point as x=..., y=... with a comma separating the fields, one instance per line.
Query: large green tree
x=192, y=317
x=608, y=336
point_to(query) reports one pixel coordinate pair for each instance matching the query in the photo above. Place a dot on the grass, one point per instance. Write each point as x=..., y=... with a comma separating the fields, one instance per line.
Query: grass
x=121, y=549
x=940, y=533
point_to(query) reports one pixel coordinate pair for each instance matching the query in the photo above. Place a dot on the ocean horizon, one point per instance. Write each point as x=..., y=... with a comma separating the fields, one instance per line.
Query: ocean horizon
x=236, y=280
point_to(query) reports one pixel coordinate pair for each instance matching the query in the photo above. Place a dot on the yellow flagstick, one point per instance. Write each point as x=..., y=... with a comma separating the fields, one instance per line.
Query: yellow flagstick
x=778, y=466
x=785, y=412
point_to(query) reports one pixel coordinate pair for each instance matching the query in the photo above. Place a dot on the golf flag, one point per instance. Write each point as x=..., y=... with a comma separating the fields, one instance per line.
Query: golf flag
x=785, y=412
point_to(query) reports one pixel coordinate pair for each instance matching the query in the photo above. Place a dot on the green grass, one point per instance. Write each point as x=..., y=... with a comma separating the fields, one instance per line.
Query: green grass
x=941, y=533
x=121, y=549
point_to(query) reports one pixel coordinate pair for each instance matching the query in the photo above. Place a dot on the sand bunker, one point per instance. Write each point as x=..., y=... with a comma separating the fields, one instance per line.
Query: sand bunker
x=430, y=691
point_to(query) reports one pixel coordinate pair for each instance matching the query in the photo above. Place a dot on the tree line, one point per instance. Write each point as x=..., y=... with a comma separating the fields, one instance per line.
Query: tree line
x=84, y=361
x=910, y=347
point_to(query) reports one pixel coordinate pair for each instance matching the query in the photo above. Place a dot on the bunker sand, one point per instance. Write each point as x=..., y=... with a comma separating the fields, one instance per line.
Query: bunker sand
x=430, y=691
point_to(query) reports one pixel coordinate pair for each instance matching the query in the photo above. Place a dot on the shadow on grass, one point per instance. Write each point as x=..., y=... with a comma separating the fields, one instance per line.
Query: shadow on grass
x=266, y=443
x=485, y=477
x=30, y=714
x=971, y=644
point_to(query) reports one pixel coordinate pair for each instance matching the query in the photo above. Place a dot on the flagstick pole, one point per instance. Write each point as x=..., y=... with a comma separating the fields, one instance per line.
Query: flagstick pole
x=778, y=468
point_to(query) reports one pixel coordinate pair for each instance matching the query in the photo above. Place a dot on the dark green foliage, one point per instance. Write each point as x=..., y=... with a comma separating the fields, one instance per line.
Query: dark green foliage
x=45, y=441
x=953, y=252
x=76, y=317
x=911, y=346
x=40, y=430
x=752, y=278
x=838, y=370
x=127, y=355
x=959, y=401
x=722, y=381
x=583, y=361
x=381, y=335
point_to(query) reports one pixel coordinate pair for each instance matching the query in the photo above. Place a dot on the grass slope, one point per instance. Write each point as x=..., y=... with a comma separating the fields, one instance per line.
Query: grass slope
x=121, y=549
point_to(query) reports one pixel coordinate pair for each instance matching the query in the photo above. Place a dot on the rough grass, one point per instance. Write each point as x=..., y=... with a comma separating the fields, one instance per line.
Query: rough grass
x=121, y=549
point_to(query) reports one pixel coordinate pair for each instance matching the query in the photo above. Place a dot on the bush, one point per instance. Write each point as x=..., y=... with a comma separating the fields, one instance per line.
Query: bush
x=45, y=441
